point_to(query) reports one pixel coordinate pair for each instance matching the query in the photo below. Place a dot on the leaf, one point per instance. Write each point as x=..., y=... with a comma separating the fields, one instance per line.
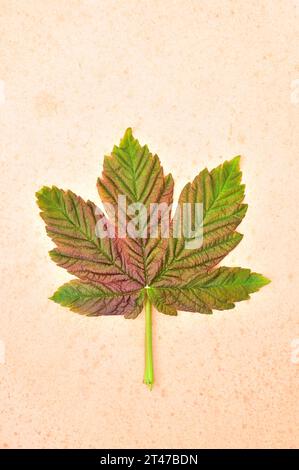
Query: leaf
x=124, y=261
x=179, y=278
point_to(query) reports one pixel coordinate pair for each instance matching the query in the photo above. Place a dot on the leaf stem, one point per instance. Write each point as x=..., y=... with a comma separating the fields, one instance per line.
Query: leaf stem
x=149, y=370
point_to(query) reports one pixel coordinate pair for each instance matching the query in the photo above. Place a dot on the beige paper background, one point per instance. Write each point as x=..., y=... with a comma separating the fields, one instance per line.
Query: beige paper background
x=199, y=81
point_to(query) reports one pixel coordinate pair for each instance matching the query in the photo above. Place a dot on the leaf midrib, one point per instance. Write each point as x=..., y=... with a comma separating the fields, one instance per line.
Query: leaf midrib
x=107, y=294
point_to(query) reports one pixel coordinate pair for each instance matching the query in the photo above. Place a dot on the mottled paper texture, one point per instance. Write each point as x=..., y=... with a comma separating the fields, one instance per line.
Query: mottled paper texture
x=200, y=82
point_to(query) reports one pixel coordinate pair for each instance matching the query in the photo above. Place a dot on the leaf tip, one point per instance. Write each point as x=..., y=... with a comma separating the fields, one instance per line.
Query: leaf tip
x=42, y=192
x=54, y=298
x=46, y=195
x=64, y=295
x=264, y=280
x=236, y=160
x=128, y=132
x=128, y=136
x=257, y=281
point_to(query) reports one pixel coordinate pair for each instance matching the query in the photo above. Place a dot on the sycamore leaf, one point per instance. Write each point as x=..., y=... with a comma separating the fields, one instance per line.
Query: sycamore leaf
x=133, y=260
x=165, y=264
